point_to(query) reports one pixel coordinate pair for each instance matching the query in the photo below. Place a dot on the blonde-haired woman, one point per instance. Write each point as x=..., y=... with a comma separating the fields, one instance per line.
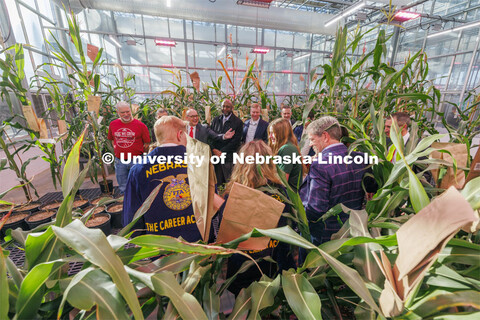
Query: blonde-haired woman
x=256, y=176
x=284, y=143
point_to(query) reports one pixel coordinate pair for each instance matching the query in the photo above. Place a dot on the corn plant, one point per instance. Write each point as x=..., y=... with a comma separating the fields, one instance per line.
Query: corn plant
x=13, y=77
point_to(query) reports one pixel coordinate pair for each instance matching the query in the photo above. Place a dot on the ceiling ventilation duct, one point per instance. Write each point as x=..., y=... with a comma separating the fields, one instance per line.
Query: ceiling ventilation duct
x=219, y=11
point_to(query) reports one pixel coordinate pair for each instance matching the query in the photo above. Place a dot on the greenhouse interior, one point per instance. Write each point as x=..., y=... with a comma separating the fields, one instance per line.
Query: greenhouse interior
x=240, y=159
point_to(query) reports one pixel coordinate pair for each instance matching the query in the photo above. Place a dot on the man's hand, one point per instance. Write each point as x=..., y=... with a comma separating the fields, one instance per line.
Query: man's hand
x=229, y=134
x=217, y=152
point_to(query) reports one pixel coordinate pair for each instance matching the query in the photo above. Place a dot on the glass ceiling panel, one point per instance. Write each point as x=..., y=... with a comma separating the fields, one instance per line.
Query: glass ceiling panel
x=133, y=54
x=205, y=56
x=129, y=23
x=32, y=26
x=302, y=41
x=247, y=35
x=110, y=50
x=15, y=21
x=98, y=20
x=45, y=8
x=284, y=39
x=189, y=28
x=176, y=28
x=160, y=79
x=269, y=60
x=232, y=34
x=156, y=26
x=158, y=55
x=204, y=31
x=220, y=32
x=269, y=37
x=459, y=71
x=178, y=55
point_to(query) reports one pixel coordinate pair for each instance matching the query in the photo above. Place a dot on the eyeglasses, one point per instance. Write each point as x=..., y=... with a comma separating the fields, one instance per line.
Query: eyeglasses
x=195, y=116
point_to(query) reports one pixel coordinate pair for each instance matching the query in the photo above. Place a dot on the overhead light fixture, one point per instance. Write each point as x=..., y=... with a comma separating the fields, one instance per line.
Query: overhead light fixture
x=405, y=16
x=346, y=13
x=169, y=3
x=131, y=42
x=301, y=57
x=255, y=3
x=115, y=41
x=166, y=43
x=235, y=51
x=260, y=50
x=465, y=26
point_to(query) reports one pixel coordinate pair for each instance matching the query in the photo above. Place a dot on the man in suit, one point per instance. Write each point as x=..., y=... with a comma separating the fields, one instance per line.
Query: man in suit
x=328, y=184
x=202, y=132
x=255, y=128
x=221, y=124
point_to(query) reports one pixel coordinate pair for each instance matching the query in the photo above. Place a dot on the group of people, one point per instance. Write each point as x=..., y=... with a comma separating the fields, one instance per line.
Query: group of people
x=322, y=187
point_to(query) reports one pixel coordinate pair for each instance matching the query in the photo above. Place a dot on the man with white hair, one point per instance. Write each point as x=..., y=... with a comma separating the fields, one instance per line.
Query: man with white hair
x=328, y=184
x=171, y=212
x=129, y=137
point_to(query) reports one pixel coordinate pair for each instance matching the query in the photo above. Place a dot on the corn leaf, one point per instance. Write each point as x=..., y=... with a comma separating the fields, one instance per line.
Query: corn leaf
x=95, y=287
x=93, y=246
x=33, y=287
x=165, y=284
x=243, y=303
x=263, y=295
x=72, y=166
x=4, y=291
x=301, y=296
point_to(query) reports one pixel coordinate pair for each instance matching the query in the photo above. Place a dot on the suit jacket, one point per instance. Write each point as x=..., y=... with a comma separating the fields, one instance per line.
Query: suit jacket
x=227, y=146
x=261, y=132
x=298, y=132
x=203, y=133
x=327, y=185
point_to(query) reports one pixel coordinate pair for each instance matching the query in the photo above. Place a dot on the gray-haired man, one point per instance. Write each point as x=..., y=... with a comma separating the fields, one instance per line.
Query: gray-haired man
x=129, y=137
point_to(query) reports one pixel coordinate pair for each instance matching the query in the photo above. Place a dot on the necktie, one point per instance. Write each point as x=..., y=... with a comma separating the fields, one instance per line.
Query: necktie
x=191, y=132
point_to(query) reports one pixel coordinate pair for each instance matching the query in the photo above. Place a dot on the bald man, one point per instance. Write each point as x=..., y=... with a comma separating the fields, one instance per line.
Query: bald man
x=171, y=213
x=222, y=124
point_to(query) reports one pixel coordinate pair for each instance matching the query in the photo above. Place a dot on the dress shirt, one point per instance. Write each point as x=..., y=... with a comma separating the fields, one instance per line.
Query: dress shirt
x=252, y=128
x=226, y=118
x=194, y=131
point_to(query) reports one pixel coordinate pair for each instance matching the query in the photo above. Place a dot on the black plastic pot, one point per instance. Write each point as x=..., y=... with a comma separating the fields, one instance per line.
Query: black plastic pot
x=34, y=224
x=106, y=227
x=83, y=206
x=110, y=187
x=44, y=207
x=34, y=206
x=116, y=216
x=14, y=225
